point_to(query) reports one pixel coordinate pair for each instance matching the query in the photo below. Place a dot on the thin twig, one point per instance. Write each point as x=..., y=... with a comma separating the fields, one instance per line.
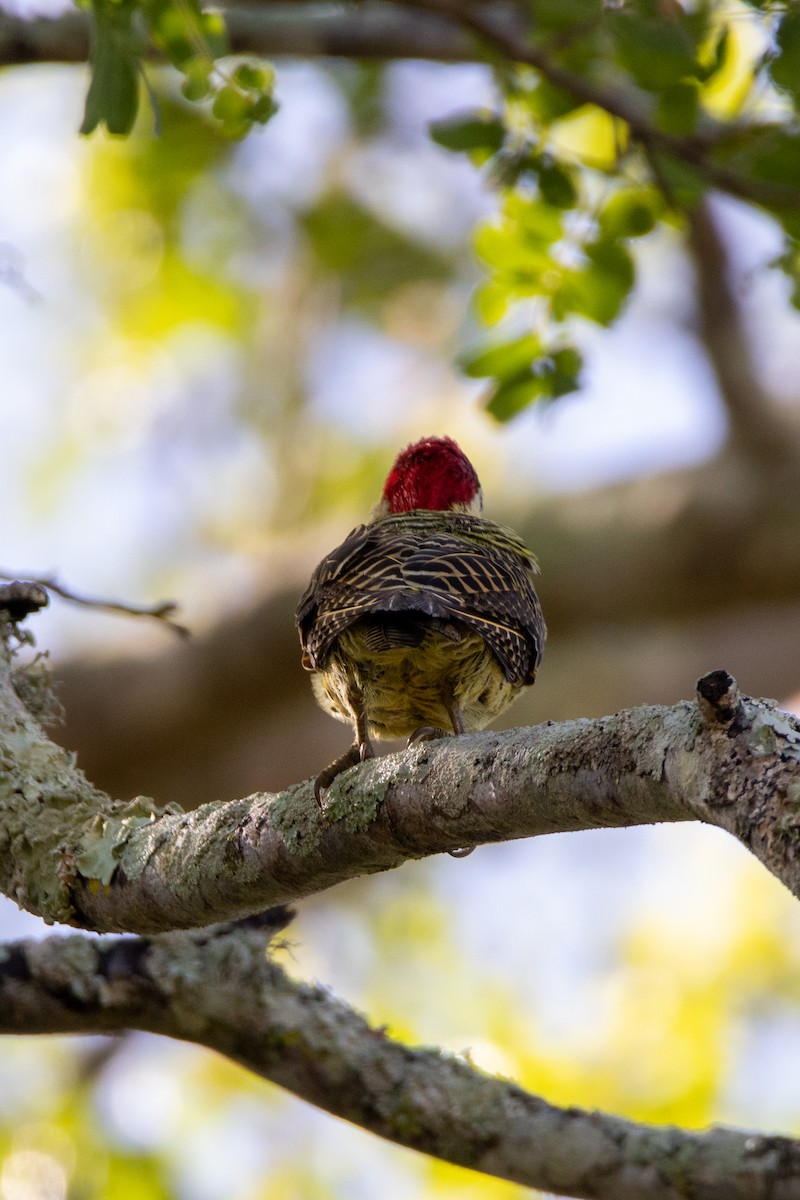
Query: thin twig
x=163, y=611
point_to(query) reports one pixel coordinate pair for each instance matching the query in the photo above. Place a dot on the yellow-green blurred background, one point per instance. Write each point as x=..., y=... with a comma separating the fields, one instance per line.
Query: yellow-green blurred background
x=209, y=354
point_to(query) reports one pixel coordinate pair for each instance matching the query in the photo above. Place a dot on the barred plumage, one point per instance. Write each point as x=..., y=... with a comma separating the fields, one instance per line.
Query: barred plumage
x=443, y=565
x=424, y=617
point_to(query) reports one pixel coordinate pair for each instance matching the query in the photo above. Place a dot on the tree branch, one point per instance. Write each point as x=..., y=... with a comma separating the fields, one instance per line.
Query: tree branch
x=163, y=611
x=73, y=855
x=512, y=42
x=446, y=30
x=220, y=990
x=374, y=32
x=757, y=433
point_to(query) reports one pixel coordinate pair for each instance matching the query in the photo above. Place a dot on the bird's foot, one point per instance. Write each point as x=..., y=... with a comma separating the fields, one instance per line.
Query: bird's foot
x=426, y=733
x=355, y=754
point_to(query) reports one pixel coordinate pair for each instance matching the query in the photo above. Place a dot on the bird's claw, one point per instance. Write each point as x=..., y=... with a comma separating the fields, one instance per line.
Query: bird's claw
x=351, y=758
x=425, y=733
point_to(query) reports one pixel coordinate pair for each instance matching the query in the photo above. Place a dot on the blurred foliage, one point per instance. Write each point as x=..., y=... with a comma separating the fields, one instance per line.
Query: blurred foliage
x=635, y=111
x=713, y=109
x=193, y=40
x=369, y=258
x=210, y=297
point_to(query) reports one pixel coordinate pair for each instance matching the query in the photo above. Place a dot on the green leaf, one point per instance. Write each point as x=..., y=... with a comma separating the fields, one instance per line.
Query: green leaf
x=631, y=212
x=567, y=366
x=771, y=155
x=685, y=184
x=556, y=186
x=655, y=52
x=263, y=109
x=719, y=58
x=173, y=29
x=597, y=290
x=214, y=31
x=551, y=15
x=196, y=89
x=185, y=32
x=679, y=107
x=548, y=103
x=790, y=220
x=230, y=105
x=478, y=132
x=538, y=224
x=785, y=68
x=509, y=399
x=505, y=360
x=492, y=300
x=611, y=276
x=198, y=85
x=113, y=96
x=252, y=78
x=511, y=249
x=509, y=166
x=369, y=258
x=552, y=375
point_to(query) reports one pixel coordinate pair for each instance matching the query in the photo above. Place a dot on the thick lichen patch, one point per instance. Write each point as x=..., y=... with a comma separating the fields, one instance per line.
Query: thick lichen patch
x=295, y=815
x=45, y=804
x=109, y=837
x=103, y=846
x=355, y=797
x=768, y=727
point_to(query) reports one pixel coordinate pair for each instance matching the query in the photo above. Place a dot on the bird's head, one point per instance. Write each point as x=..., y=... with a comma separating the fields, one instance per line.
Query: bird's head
x=433, y=473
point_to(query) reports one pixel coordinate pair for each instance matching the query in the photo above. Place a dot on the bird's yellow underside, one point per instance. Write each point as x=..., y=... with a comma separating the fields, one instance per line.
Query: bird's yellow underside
x=403, y=688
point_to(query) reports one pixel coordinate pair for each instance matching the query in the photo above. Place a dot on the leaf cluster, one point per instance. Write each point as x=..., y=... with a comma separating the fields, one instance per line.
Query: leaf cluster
x=617, y=123
x=614, y=120
x=193, y=40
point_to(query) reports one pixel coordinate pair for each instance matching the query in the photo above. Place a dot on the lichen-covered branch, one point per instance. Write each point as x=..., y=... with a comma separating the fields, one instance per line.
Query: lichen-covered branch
x=219, y=989
x=71, y=854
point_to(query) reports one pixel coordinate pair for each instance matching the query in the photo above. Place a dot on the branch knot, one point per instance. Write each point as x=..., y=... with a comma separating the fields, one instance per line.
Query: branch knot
x=19, y=599
x=719, y=698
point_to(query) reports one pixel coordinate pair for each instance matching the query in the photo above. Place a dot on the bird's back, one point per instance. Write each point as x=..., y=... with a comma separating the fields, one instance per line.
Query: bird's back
x=425, y=567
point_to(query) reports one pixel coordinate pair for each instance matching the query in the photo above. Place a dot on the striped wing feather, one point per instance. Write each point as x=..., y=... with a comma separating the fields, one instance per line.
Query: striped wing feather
x=448, y=566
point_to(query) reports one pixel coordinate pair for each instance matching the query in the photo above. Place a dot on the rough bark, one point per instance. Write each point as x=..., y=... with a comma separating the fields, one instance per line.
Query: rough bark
x=73, y=855
x=219, y=989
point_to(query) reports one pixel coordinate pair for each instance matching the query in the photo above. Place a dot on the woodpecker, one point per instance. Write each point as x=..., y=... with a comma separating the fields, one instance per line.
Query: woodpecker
x=424, y=621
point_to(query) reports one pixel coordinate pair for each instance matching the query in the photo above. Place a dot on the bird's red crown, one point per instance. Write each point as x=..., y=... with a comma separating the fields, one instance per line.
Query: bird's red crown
x=433, y=473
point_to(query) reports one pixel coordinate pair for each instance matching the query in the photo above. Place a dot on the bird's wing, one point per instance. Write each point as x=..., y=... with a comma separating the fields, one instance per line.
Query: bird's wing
x=441, y=565
x=488, y=585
